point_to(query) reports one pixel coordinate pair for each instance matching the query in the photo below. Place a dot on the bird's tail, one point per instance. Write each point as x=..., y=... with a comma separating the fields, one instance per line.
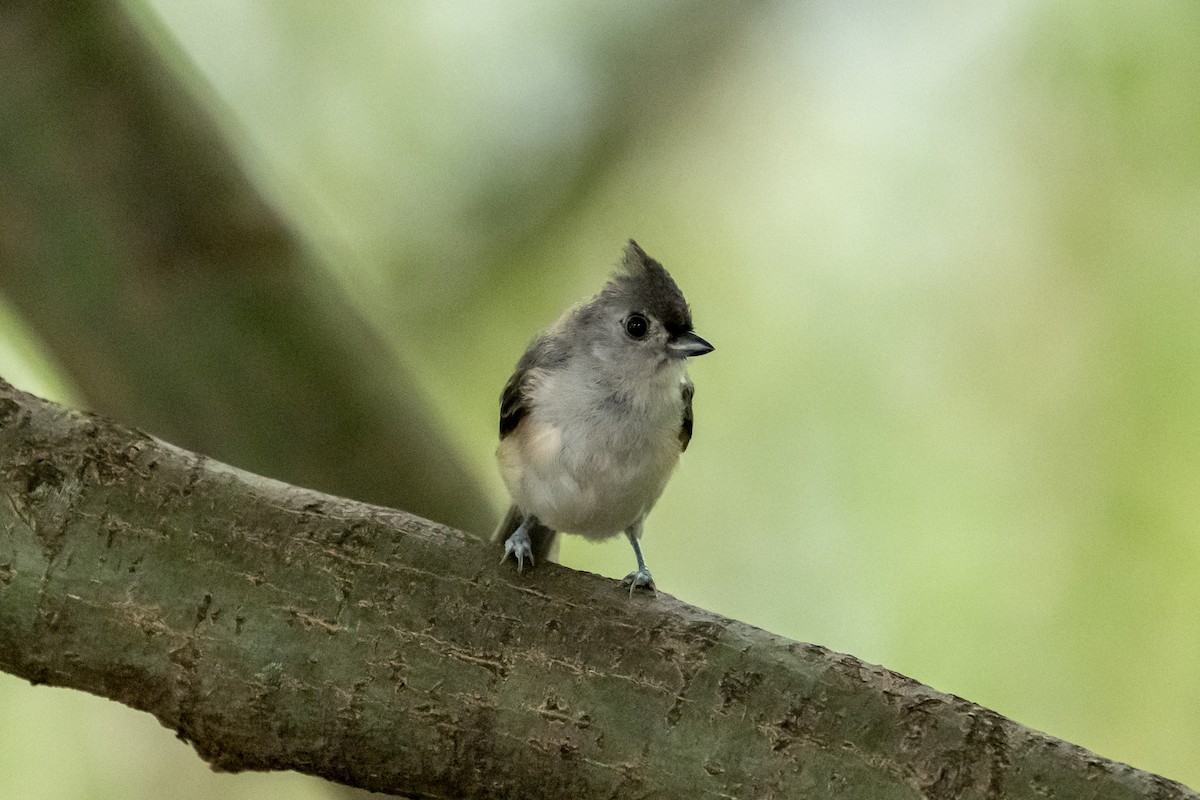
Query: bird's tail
x=543, y=541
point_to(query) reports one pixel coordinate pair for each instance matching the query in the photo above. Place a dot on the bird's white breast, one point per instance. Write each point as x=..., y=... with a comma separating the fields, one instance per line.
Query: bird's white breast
x=587, y=462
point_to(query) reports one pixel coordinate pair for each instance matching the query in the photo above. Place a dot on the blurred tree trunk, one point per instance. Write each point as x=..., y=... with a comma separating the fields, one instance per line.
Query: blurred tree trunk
x=279, y=628
x=173, y=296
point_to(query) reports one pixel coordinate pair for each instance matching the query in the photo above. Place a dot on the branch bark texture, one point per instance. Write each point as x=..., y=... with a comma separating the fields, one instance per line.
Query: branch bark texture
x=278, y=628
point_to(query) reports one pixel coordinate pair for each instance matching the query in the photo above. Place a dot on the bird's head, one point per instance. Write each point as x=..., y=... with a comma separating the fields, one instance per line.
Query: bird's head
x=639, y=320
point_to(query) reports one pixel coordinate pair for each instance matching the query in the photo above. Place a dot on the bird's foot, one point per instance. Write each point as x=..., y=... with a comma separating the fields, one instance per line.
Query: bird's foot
x=640, y=578
x=519, y=547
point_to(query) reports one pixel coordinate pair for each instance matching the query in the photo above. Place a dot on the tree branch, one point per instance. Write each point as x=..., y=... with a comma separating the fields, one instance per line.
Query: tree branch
x=278, y=628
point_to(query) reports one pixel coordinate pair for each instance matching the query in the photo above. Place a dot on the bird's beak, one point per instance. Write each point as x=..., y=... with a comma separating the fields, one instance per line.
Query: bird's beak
x=687, y=345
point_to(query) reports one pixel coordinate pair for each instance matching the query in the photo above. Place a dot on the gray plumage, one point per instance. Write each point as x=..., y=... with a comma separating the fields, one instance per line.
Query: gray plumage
x=542, y=353
x=595, y=415
x=642, y=283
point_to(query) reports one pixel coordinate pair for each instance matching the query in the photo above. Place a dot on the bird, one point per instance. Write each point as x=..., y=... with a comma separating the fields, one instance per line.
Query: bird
x=596, y=414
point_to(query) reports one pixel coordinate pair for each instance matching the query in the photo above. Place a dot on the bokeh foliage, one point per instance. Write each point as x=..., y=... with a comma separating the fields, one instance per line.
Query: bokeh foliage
x=948, y=256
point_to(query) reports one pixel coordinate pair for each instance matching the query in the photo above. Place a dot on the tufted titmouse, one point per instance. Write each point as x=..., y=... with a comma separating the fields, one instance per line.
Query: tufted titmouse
x=594, y=418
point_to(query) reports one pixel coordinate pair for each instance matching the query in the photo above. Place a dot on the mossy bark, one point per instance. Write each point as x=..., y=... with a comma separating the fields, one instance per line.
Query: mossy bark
x=275, y=627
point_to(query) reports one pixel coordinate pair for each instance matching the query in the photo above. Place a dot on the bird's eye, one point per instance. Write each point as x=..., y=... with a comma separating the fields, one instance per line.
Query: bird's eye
x=636, y=326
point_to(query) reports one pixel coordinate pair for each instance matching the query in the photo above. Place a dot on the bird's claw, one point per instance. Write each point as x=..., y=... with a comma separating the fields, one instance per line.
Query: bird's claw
x=519, y=547
x=640, y=578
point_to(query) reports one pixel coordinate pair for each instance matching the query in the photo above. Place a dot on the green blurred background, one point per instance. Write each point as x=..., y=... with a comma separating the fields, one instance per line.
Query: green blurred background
x=949, y=255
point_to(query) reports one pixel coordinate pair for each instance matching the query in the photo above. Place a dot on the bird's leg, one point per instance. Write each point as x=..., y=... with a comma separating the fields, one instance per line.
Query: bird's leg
x=640, y=577
x=518, y=545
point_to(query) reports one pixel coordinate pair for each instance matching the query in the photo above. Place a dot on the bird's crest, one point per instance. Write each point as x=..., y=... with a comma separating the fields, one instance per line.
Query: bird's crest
x=645, y=285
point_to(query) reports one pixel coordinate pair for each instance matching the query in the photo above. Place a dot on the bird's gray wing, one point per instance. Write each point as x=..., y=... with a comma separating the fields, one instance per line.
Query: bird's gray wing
x=513, y=401
x=542, y=353
x=685, y=426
